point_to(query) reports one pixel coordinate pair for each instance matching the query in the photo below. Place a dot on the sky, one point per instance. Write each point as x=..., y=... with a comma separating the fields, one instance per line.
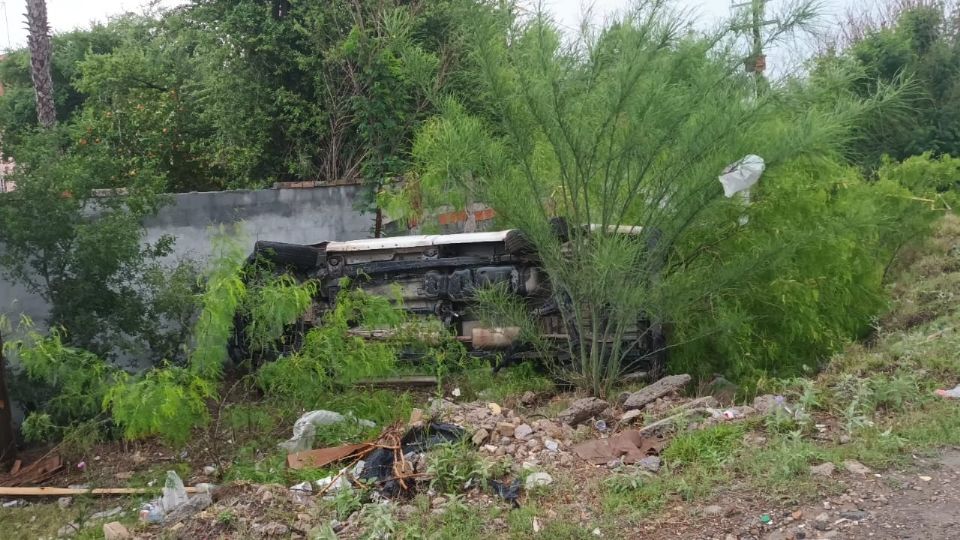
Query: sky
x=67, y=15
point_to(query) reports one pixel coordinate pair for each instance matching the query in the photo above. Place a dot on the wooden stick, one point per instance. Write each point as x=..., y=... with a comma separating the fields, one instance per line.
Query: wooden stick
x=402, y=382
x=58, y=492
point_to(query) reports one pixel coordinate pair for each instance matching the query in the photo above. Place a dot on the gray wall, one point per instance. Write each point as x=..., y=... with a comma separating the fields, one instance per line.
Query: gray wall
x=299, y=216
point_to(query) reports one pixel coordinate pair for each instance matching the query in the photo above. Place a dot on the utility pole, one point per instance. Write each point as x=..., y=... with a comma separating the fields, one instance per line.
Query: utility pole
x=756, y=63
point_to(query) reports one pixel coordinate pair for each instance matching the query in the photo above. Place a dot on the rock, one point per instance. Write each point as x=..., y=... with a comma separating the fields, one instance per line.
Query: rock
x=116, y=510
x=631, y=415
x=438, y=501
x=490, y=448
x=657, y=390
x=495, y=409
x=650, y=463
x=522, y=431
x=68, y=530
x=822, y=521
x=533, y=444
x=713, y=510
x=506, y=429
x=824, y=469
x=64, y=502
x=274, y=529
x=195, y=504
x=510, y=449
x=209, y=470
x=480, y=436
x=16, y=503
x=722, y=389
x=768, y=403
x=416, y=417
x=115, y=531
x=528, y=398
x=551, y=445
x=855, y=515
x=855, y=467
x=538, y=479
x=582, y=410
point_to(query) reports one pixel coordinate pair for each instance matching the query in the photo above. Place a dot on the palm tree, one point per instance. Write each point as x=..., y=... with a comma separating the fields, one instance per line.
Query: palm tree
x=41, y=54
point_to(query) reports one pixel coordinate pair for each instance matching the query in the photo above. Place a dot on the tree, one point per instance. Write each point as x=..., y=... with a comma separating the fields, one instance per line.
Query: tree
x=913, y=44
x=40, y=60
x=81, y=249
x=630, y=126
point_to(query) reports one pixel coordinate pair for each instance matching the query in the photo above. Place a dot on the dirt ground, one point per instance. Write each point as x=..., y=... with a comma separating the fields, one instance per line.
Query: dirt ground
x=921, y=501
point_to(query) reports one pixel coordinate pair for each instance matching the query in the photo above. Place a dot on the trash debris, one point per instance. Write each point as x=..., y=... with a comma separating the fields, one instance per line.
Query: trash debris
x=174, y=493
x=582, y=410
x=194, y=505
x=508, y=492
x=953, y=393
x=663, y=387
x=600, y=425
x=37, y=472
x=742, y=175
x=335, y=483
x=551, y=445
x=538, y=479
x=324, y=456
x=209, y=470
x=925, y=478
x=766, y=519
x=381, y=463
x=628, y=446
x=456, y=392
x=305, y=429
x=16, y=503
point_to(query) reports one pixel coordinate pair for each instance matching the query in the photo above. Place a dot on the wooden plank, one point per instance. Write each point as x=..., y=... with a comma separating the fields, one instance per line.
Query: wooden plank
x=325, y=456
x=59, y=492
x=16, y=466
x=401, y=382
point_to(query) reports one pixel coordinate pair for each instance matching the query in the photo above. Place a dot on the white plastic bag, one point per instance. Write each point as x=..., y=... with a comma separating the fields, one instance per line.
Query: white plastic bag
x=174, y=494
x=305, y=429
x=742, y=175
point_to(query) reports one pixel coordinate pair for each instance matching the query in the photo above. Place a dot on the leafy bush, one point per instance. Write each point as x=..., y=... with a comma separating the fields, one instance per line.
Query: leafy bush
x=168, y=402
x=331, y=355
x=926, y=176
x=224, y=293
x=77, y=380
x=800, y=280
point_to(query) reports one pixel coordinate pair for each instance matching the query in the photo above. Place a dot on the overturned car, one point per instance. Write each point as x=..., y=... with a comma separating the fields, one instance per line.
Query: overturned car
x=437, y=276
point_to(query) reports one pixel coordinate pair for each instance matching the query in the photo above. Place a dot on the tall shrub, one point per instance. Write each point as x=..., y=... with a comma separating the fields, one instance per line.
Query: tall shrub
x=631, y=125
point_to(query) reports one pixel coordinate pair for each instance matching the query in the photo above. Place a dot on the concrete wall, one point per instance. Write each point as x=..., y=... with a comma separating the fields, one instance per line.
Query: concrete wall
x=299, y=216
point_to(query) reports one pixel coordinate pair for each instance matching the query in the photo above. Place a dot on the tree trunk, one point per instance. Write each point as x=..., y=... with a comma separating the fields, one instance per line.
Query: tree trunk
x=41, y=55
x=8, y=448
